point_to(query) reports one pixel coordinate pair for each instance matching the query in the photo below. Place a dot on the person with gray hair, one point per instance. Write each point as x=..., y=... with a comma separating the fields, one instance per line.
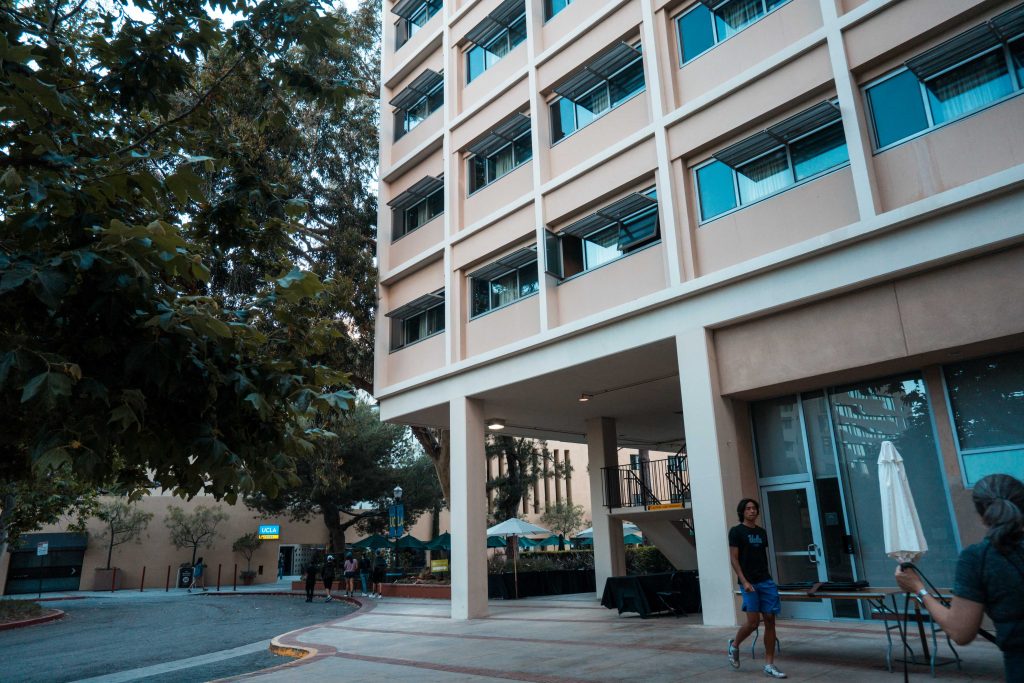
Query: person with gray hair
x=989, y=576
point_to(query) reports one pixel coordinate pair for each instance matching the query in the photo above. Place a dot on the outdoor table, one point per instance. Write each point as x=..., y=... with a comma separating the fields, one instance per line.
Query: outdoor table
x=884, y=603
x=639, y=593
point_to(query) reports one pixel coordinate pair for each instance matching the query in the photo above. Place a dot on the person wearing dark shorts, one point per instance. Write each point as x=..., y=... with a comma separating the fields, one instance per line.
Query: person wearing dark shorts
x=327, y=574
x=377, y=577
x=748, y=550
x=311, y=571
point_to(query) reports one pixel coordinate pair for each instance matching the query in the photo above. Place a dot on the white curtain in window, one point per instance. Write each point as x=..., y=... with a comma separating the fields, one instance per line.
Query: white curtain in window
x=736, y=15
x=504, y=162
x=764, y=176
x=503, y=290
x=969, y=87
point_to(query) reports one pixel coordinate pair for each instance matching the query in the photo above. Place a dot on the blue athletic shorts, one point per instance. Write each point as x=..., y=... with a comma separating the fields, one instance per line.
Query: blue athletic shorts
x=764, y=598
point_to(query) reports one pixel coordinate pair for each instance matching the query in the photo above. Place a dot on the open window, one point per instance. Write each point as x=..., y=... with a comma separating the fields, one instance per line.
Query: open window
x=505, y=148
x=503, y=282
x=417, y=320
x=709, y=22
x=603, y=236
x=412, y=16
x=494, y=37
x=417, y=101
x=421, y=203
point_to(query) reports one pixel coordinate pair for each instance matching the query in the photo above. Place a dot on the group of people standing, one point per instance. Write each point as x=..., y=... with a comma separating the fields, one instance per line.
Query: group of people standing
x=369, y=569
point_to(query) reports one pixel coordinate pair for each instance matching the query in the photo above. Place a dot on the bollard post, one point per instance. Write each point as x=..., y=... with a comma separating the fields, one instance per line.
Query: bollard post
x=142, y=582
x=167, y=586
x=218, y=578
x=113, y=579
x=234, y=578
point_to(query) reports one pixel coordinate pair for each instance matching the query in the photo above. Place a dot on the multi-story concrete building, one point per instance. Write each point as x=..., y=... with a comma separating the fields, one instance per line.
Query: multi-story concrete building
x=765, y=235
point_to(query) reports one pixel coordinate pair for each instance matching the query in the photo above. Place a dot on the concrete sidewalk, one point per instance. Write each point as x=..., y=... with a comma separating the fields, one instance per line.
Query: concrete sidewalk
x=282, y=586
x=569, y=639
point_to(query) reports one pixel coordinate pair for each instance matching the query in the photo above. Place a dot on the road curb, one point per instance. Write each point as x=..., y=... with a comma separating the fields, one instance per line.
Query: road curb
x=54, y=615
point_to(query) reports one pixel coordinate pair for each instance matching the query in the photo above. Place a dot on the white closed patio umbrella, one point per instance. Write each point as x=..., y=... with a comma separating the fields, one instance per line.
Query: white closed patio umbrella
x=901, y=527
x=512, y=528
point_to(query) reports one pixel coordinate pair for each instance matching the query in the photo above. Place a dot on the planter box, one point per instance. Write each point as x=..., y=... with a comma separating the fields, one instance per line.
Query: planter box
x=104, y=578
x=435, y=591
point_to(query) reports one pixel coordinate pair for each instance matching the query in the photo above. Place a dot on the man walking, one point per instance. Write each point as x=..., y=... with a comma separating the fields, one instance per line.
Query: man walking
x=748, y=550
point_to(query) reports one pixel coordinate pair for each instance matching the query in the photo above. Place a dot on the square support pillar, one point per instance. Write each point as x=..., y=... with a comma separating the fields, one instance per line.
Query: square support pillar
x=468, y=510
x=715, y=472
x=609, y=550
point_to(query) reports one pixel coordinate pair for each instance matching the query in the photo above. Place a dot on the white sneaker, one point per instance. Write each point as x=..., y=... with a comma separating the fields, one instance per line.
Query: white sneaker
x=364, y=595
x=771, y=672
x=734, y=655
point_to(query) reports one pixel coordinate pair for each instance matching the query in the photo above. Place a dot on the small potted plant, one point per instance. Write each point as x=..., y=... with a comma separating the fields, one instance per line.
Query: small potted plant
x=246, y=545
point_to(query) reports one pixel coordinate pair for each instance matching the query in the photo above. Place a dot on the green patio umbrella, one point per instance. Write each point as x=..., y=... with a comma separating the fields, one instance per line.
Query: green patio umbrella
x=550, y=540
x=442, y=542
x=375, y=542
x=496, y=542
x=632, y=539
x=410, y=542
x=528, y=543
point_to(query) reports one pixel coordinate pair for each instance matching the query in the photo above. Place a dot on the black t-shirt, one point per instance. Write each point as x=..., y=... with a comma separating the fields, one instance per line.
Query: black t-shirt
x=985, y=575
x=753, y=555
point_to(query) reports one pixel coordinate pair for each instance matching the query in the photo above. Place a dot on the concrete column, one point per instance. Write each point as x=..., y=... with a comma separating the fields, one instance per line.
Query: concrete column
x=715, y=473
x=568, y=477
x=609, y=550
x=468, y=509
x=490, y=478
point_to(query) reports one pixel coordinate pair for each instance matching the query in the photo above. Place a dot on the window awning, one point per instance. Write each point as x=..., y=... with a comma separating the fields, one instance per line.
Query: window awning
x=611, y=214
x=737, y=154
x=713, y=4
x=505, y=264
x=418, y=89
x=419, y=191
x=954, y=50
x=406, y=8
x=1009, y=24
x=417, y=306
x=504, y=133
x=600, y=69
x=496, y=22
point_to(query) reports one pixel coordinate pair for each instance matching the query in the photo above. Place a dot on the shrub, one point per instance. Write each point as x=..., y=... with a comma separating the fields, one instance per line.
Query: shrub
x=646, y=559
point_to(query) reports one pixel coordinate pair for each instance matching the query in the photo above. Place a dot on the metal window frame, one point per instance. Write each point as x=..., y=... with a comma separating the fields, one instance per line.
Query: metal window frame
x=510, y=263
x=717, y=4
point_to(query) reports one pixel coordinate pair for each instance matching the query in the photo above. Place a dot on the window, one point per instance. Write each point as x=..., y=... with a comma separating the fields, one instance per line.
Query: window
x=553, y=7
x=608, y=81
x=417, y=320
x=966, y=73
x=417, y=101
x=503, y=282
x=414, y=15
x=986, y=400
x=415, y=207
x=798, y=149
x=503, y=150
x=612, y=232
x=493, y=38
x=709, y=22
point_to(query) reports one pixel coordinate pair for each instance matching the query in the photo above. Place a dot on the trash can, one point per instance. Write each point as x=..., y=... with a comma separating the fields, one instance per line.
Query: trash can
x=184, y=576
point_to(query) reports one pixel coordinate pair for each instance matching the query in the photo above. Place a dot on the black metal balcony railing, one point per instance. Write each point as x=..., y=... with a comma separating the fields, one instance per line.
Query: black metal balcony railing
x=662, y=483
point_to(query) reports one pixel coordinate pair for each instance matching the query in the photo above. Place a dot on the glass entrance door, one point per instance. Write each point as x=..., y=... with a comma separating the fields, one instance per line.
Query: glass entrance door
x=792, y=522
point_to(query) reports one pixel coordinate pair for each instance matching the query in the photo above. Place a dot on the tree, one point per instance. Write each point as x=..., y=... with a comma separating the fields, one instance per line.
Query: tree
x=27, y=505
x=123, y=523
x=191, y=530
x=525, y=461
x=160, y=319
x=246, y=545
x=349, y=480
x=565, y=520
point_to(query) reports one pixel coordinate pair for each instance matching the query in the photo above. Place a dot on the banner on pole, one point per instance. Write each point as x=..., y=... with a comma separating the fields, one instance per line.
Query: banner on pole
x=396, y=520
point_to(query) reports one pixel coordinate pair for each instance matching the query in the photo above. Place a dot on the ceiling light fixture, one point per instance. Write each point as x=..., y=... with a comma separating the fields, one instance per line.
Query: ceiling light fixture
x=584, y=398
x=495, y=424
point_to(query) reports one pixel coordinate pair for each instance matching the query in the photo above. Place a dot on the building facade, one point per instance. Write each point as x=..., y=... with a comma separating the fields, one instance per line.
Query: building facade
x=763, y=235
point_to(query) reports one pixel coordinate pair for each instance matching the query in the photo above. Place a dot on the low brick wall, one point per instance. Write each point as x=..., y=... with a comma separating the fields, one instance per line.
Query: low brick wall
x=436, y=591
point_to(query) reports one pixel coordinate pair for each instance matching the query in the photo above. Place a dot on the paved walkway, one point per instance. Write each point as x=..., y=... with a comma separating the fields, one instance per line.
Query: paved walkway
x=569, y=639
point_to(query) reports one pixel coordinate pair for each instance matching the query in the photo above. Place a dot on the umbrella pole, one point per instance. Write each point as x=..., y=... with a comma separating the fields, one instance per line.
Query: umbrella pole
x=515, y=563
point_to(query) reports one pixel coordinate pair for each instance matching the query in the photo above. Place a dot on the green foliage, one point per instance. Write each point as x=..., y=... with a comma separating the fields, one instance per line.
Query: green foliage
x=565, y=559
x=191, y=530
x=348, y=480
x=564, y=519
x=186, y=240
x=123, y=523
x=28, y=504
x=246, y=545
x=525, y=461
x=18, y=610
x=646, y=559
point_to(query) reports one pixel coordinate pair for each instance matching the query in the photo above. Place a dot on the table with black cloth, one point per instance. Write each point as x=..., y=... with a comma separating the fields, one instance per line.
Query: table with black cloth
x=639, y=593
x=532, y=583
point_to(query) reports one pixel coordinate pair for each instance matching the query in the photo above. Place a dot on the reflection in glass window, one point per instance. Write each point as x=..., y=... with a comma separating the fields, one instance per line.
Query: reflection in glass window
x=485, y=170
x=407, y=220
x=553, y=7
x=700, y=28
x=932, y=91
x=721, y=188
x=504, y=289
x=986, y=398
x=568, y=116
x=417, y=326
x=407, y=28
x=480, y=58
x=407, y=119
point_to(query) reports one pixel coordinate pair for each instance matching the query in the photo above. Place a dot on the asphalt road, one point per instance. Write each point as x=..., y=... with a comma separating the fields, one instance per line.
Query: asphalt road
x=157, y=639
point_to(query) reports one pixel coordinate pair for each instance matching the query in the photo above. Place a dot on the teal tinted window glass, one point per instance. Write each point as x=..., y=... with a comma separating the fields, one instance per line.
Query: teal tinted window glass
x=779, y=438
x=481, y=296
x=476, y=62
x=553, y=7
x=987, y=400
x=528, y=280
x=627, y=83
x=638, y=229
x=601, y=247
x=897, y=110
x=733, y=17
x=523, y=149
x=819, y=152
x=1017, y=50
x=517, y=32
x=969, y=87
x=716, y=190
x=764, y=176
x=695, y=32
x=563, y=118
